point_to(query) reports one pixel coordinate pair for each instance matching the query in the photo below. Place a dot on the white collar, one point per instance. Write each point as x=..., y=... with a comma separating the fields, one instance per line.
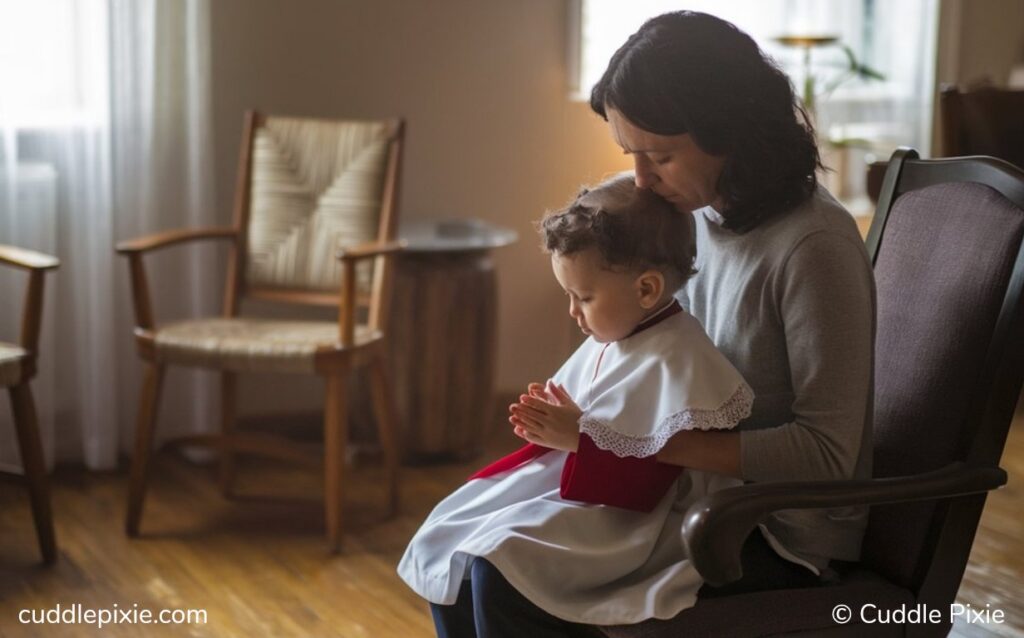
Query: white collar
x=713, y=215
x=668, y=304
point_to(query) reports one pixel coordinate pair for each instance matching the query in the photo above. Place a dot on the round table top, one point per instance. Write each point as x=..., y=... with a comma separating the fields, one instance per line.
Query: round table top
x=453, y=235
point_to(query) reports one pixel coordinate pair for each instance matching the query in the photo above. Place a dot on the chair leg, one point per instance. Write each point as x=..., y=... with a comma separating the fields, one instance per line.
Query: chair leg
x=228, y=401
x=27, y=426
x=148, y=403
x=335, y=440
x=384, y=412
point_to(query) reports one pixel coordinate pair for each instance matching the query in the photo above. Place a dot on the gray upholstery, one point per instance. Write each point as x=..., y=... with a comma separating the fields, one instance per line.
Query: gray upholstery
x=931, y=343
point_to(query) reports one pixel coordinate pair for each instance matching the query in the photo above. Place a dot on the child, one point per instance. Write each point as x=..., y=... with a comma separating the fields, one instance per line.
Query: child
x=584, y=522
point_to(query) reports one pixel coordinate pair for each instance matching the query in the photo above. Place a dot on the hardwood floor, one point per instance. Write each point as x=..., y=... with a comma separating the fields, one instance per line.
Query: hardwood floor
x=259, y=566
x=995, y=573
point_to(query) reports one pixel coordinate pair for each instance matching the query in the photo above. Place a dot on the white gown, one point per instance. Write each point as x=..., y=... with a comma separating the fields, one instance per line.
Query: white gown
x=586, y=563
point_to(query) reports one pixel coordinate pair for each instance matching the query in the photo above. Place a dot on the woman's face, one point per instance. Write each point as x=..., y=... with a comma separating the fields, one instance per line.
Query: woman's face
x=672, y=166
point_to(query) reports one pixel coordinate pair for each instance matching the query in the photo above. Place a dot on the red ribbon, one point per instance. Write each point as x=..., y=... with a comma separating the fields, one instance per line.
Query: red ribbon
x=523, y=455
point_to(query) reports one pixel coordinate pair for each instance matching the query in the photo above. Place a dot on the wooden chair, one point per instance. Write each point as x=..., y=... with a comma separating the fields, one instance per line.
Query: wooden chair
x=17, y=367
x=316, y=199
x=983, y=121
x=947, y=245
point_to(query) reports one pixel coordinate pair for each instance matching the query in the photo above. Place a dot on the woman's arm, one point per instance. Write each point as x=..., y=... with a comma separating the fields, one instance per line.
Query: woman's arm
x=824, y=297
x=717, y=452
x=825, y=302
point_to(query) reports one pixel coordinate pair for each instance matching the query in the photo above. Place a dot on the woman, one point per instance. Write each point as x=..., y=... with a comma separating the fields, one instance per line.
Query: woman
x=784, y=285
x=784, y=289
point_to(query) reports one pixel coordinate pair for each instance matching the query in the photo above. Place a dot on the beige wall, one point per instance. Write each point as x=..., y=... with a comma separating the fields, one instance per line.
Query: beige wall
x=979, y=41
x=992, y=40
x=491, y=133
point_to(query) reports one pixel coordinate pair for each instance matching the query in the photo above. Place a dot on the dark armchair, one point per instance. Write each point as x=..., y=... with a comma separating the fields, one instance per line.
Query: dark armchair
x=946, y=244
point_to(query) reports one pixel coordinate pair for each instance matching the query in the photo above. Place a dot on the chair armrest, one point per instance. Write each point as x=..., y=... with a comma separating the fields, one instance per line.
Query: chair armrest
x=716, y=526
x=370, y=249
x=134, y=249
x=32, y=313
x=27, y=259
x=171, y=237
x=348, y=257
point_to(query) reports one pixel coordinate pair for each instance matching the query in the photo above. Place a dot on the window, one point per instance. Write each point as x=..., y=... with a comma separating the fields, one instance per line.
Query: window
x=53, y=63
x=895, y=38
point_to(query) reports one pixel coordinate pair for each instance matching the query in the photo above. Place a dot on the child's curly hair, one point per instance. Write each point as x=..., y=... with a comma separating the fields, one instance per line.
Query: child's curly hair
x=633, y=229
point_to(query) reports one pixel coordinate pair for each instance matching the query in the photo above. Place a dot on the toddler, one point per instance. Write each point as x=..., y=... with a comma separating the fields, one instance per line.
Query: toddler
x=583, y=521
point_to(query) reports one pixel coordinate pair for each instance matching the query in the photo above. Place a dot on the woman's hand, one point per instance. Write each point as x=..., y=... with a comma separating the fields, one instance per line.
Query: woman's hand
x=547, y=416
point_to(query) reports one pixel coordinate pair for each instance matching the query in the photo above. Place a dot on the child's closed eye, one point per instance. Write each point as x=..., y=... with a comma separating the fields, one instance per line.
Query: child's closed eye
x=576, y=297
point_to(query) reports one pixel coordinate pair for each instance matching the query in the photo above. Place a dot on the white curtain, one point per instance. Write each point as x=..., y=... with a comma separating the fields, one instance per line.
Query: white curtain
x=115, y=128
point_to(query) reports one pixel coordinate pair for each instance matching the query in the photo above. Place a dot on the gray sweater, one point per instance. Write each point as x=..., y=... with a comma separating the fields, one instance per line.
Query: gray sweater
x=791, y=304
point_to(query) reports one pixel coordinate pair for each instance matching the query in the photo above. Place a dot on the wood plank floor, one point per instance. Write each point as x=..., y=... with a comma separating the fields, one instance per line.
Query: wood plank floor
x=258, y=566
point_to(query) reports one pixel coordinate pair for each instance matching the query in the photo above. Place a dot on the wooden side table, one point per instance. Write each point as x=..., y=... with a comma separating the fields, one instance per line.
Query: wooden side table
x=443, y=336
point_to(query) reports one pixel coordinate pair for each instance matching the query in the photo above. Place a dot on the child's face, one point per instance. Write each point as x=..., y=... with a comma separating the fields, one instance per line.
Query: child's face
x=606, y=304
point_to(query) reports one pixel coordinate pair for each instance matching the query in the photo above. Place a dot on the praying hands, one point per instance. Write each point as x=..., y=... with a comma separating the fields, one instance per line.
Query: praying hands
x=547, y=416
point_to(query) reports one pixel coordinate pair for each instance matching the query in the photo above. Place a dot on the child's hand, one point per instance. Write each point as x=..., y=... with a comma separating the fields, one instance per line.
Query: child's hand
x=539, y=390
x=547, y=416
x=534, y=389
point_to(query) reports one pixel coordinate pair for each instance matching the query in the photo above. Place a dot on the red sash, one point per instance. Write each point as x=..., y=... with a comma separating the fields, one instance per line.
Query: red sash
x=523, y=455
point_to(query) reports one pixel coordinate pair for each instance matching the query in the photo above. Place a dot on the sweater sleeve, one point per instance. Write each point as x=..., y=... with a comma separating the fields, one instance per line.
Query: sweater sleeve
x=599, y=477
x=824, y=293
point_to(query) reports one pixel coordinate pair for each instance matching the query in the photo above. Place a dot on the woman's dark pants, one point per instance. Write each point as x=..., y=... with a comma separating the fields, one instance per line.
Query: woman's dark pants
x=489, y=607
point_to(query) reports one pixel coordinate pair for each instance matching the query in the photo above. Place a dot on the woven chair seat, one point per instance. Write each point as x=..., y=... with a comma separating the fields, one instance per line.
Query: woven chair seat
x=11, y=357
x=251, y=345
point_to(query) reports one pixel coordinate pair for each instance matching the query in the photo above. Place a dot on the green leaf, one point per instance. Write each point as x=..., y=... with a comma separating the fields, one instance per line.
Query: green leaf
x=860, y=70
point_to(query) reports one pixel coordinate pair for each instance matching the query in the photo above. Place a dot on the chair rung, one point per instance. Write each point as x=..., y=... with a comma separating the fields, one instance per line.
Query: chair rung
x=14, y=478
x=257, y=444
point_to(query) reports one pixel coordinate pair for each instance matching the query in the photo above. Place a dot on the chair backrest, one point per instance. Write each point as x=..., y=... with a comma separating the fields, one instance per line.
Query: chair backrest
x=985, y=121
x=946, y=244
x=306, y=188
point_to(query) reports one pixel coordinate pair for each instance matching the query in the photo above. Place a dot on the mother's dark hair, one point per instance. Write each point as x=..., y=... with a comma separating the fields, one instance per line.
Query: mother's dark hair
x=689, y=72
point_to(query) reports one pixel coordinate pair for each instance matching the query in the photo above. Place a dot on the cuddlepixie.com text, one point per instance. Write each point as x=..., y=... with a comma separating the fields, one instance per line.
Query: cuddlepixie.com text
x=77, y=614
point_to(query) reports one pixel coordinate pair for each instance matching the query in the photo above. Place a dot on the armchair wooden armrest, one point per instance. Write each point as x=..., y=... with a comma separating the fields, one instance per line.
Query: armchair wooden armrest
x=134, y=249
x=171, y=237
x=716, y=526
x=27, y=259
x=370, y=249
x=349, y=257
x=32, y=314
